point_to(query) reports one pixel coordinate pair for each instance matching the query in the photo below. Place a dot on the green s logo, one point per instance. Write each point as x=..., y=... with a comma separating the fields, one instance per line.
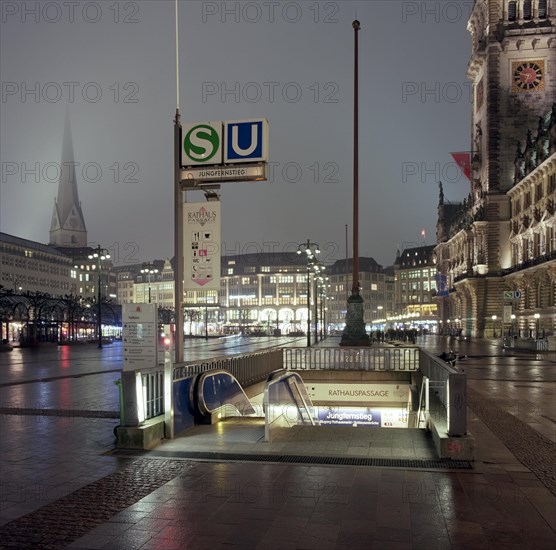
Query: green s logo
x=201, y=143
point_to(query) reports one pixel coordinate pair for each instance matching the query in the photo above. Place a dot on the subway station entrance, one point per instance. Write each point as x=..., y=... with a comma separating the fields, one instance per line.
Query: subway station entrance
x=378, y=403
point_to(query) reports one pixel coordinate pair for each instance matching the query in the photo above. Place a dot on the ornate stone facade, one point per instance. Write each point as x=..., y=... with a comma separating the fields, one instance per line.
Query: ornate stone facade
x=533, y=238
x=513, y=71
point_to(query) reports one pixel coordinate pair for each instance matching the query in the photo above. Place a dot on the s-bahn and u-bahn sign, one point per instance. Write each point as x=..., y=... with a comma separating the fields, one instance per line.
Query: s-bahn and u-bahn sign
x=222, y=151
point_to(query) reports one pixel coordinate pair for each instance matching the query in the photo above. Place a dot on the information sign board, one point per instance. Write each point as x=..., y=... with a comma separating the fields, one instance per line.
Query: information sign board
x=201, y=242
x=139, y=336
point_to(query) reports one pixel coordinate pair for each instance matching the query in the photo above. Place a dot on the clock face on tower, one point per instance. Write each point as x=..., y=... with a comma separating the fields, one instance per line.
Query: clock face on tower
x=527, y=76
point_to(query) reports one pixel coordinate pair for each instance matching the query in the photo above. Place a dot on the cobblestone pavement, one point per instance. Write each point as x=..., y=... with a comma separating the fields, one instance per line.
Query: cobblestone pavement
x=531, y=448
x=46, y=457
x=60, y=523
x=61, y=487
x=169, y=504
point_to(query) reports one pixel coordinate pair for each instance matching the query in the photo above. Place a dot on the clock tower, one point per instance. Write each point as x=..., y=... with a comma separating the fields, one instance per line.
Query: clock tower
x=513, y=74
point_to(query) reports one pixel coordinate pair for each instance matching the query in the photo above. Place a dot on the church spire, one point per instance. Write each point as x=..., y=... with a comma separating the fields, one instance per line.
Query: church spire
x=68, y=226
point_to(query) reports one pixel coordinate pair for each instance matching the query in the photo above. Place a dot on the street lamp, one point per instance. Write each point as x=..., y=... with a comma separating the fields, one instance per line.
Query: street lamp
x=494, y=317
x=311, y=250
x=99, y=254
x=318, y=279
x=149, y=269
x=513, y=324
x=322, y=287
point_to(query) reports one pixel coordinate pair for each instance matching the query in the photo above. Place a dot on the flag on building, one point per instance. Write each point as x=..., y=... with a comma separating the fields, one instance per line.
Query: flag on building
x=463, y=160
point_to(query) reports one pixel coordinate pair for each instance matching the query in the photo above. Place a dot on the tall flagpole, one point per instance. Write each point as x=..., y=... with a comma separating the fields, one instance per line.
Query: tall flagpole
x=177, y=61
x=178, y=216
x=354, y=332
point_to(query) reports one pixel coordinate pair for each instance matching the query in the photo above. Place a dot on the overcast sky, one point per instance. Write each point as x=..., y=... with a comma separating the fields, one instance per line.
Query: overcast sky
x=113, y=65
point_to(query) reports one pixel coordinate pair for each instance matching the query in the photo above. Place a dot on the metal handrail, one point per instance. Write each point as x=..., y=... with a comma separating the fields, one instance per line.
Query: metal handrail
x=360, y=359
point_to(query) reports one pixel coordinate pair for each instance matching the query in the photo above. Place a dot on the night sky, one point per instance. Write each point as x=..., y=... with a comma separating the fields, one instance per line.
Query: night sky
x=112, y=66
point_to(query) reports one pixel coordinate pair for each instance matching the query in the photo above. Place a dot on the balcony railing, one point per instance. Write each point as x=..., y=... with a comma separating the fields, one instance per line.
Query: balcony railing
x=531, y=263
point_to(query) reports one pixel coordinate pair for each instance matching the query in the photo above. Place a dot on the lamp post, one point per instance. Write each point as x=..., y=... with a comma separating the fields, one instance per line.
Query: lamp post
x=318, y=267
x=494, y=317
x=322, y=285
x=311, y=250
x=99, y=254
x=513, y=324
x=149, y=269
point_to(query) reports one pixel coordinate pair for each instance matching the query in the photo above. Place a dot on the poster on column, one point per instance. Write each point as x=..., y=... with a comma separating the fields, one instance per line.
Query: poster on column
x=201, y=243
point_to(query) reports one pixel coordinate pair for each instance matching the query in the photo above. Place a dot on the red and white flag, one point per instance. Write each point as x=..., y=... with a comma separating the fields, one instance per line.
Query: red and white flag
x=463, y=160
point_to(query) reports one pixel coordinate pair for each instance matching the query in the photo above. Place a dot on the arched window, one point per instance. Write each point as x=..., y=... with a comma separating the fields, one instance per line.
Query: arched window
x=527, y=10
x=542, y=9
x=512, y=10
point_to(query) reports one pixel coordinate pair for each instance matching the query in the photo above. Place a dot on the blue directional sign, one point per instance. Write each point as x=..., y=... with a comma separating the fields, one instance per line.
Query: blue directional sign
x=441, y=284
x=246, y=140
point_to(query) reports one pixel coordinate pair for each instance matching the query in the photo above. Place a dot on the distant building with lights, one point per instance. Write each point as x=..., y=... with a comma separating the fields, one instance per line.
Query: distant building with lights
x=63, y=266
x=28, y=266
x=377, y=291
x=415, y=276
x=261, y=292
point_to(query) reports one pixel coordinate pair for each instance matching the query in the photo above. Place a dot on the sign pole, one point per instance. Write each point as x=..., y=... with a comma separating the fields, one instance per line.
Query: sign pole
x=178, y=243
x=178, y=216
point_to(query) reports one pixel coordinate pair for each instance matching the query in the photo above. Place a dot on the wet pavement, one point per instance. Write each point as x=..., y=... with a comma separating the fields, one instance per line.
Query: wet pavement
x=62, y=484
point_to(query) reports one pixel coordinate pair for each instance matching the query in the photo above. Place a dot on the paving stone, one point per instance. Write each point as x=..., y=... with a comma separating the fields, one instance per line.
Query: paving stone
x=72, y=516
x=530, y=447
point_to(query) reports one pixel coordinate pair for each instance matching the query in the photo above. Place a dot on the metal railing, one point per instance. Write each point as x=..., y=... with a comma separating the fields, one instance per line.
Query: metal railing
x=286, y=403
x=450, y=388
x=539, y=344
x=366, y=359
x=247, y=368
x=153, y=393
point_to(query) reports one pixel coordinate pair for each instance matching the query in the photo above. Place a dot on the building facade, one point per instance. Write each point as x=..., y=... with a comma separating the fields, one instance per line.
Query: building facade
x=532, y=272
x=513, y=73
x=377, y=291
x=415, y=286
x=28, y=266
x=267, y=291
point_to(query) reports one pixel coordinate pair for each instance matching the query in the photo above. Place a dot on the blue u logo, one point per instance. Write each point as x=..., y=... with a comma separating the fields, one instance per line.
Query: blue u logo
x=245, y=141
